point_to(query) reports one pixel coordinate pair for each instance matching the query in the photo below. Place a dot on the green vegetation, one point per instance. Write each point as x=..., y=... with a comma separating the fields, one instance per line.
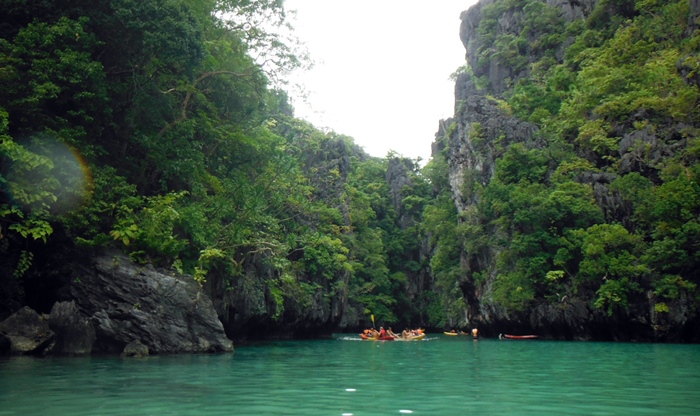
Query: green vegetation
x=604, y=204
x=161, y=128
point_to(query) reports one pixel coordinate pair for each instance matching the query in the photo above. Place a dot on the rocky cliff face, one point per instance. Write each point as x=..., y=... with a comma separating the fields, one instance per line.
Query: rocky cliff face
x=481, y=131
x=501, y=75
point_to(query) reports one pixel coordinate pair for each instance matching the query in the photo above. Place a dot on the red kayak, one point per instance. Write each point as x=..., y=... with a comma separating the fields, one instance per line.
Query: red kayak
x=519, y=336
x=384, y=338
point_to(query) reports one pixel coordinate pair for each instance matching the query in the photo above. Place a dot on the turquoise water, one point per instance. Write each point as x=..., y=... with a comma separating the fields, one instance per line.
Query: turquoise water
x=437, y=376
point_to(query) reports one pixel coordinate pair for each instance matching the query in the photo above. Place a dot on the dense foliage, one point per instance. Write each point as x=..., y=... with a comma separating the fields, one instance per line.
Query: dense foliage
x=159, y=128
x=604, y=203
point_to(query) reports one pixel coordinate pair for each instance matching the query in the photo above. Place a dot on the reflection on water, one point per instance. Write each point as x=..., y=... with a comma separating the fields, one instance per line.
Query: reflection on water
x=437, y=376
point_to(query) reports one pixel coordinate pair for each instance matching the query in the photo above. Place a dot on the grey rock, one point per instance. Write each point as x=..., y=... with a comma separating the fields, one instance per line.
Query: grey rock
x=135, y=349
x=128, y=302
x=26, y=332
x=694, y=17
x=75, y=335
x=574, y=9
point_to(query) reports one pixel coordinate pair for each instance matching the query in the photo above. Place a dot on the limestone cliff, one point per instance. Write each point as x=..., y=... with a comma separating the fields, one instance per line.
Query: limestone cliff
x=506, y=48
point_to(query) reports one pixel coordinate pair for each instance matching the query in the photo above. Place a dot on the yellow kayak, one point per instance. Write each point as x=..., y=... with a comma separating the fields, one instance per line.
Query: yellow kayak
x=452, y=334
x=411, y=338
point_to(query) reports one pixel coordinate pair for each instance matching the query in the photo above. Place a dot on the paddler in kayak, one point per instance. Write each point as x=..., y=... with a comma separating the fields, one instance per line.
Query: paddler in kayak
x=382, y=332
x=475, y=333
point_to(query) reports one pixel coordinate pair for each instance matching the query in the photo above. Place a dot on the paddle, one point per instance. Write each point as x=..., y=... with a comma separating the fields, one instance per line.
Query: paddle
x=373, y=322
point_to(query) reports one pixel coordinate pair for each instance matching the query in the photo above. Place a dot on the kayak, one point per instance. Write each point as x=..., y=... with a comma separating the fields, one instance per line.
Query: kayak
x=384, y=338
x=452, y=334
x=411, y=338
x=519, y=336
x=390, y=338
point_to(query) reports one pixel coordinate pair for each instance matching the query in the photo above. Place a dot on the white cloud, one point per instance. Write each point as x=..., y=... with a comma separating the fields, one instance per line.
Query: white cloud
x=382, y=69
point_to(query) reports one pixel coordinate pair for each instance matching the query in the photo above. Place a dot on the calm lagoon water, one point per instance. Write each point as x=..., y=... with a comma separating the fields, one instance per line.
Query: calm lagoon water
x=344, y=376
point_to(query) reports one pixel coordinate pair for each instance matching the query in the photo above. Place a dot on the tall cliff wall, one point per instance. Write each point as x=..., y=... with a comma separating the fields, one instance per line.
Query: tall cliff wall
x=483, y=130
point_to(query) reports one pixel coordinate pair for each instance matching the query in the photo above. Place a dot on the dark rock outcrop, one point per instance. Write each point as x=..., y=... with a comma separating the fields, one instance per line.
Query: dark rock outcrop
x=75, y=335
x=128, y=302
x=135, y=349
x=26, y=332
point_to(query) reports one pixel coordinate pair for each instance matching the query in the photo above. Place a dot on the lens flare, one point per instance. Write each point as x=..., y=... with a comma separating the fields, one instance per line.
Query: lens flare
x=47, y=173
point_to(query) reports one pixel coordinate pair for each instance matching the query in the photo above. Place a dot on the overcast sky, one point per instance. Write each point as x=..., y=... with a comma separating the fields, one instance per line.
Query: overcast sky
x=382, y=69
